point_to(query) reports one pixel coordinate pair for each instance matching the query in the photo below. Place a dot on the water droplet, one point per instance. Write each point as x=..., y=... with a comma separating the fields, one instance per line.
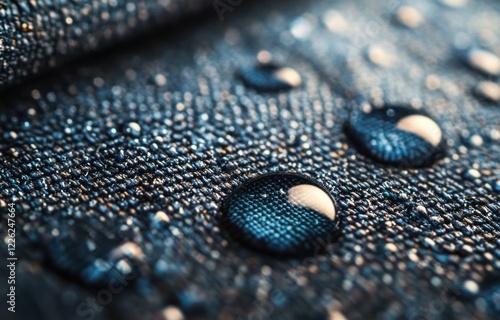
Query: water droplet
x=134, y=129
x=476, y=140
x=391, y=247
x=270, y=77
x=396, y=135
x=281, y=213
x=484, y=61
x=380, y=56
x=264, y=57
x=409, y=17
x=301, y=28
x=162, y=216
x=472, y=174
x=172, y=313
x=471, y=286
x=335, y=22
x=488, y=90
x=421, y=209
x=160, y=80
x=432, y=82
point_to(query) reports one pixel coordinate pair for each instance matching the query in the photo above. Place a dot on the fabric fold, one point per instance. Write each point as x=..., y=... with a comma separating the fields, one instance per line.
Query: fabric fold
x=36, y=35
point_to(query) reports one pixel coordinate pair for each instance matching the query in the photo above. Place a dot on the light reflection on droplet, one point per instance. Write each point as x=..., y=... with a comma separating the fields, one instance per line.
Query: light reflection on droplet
x=423, y=127
x=312, y=197
x=289, y=76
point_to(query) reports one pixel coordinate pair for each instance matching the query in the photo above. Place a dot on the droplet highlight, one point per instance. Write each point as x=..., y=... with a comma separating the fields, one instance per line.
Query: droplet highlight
x=283, y=213
x=396, y=135
x=421, y=126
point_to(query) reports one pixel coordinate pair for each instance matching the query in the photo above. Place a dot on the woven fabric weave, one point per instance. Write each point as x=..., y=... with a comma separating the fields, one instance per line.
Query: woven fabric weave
x=120, y=163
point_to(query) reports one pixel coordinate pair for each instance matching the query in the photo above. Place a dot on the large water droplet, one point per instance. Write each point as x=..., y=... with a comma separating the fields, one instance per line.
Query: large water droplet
x=396, y=135
x=283, y=213
x=267, y=76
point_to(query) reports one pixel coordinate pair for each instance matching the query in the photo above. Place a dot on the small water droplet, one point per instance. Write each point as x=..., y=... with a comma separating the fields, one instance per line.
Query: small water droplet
x=421, y=209
x=335, y=22
x=476, y=140
x=471, y=286
x=488, y=90
x=432, y=82
x=484, y=61
x=380, y=56
x=162, y=216
x=270, y=77
x=472, y=174
x=172, y=313
x=160, y=80
x=301, y=28
x=134, y=129
x=396, y=135
x=409, y=17
x=264, y=57
x=296, y=213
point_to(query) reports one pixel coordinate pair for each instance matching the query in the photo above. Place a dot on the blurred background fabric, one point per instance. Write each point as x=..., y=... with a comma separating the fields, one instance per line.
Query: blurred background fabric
x=125, y=125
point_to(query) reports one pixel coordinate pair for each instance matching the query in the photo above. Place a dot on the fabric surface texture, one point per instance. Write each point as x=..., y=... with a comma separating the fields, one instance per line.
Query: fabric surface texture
x=120, y=162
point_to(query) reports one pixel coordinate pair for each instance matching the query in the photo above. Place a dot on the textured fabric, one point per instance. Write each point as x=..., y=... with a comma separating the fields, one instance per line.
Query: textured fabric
x=119, y=166
x=35, y=35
